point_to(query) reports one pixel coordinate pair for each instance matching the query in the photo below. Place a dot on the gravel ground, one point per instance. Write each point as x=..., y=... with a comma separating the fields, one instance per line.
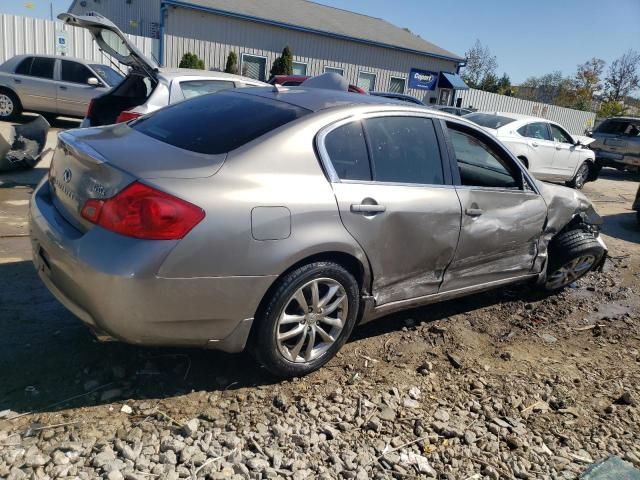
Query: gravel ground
x=507, y=384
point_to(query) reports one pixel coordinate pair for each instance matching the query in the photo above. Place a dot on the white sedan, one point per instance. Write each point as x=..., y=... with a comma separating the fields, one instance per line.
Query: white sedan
x=547, y=150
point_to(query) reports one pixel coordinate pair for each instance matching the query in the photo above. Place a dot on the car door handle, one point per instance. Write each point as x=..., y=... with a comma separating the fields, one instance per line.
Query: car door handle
x=62, y=87
x=534, y=144
x=17, y=80
x=368, y=208
x=473, y=212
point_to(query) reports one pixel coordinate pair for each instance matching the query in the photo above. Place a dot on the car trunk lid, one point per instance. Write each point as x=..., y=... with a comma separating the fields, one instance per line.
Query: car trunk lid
x=99, y=162
x=111, y=40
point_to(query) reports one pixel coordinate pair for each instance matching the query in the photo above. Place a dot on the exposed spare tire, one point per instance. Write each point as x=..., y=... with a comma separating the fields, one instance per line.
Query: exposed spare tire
x=23, y=150
x=572, y=254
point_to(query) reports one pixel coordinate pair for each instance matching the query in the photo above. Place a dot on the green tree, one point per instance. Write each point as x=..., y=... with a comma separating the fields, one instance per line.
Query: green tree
x=191, y=60
x=232, y=63
x=283, y=65
x=489, y=83
x=611, y=108
x=504, y=86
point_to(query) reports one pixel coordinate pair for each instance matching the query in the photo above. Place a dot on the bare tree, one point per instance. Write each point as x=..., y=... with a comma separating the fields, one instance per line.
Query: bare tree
x=623, y=76
x=480, y=65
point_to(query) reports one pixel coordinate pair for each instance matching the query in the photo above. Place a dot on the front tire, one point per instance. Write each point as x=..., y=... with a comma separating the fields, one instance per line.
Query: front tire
x=308, y=318
x=10, y=106
x=572, y=255
x=581, y=177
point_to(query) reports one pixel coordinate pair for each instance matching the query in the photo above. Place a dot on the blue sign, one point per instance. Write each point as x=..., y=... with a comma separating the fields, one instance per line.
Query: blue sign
x=423, y=79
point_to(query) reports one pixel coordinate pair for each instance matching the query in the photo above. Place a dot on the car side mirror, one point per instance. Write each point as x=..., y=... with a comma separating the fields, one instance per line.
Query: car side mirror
x=93, y=81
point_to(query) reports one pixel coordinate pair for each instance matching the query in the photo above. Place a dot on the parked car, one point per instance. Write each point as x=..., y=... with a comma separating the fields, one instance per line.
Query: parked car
x=547, y=150
x=617, y=143
x=262, y=219
x=52, y=85
x=147, y=87
x=296, y=81
x=454, y=110
x=398, y=96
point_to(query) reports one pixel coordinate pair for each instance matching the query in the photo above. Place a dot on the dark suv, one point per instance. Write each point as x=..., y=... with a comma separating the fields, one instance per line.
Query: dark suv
x=618, y=143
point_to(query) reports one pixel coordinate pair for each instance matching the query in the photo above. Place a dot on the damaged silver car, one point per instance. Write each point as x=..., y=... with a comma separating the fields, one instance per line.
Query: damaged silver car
x=275, y=220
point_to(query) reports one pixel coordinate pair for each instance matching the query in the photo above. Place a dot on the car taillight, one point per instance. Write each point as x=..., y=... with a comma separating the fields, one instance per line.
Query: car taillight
x=90, y=107
x=126, y=116
x=141, y=211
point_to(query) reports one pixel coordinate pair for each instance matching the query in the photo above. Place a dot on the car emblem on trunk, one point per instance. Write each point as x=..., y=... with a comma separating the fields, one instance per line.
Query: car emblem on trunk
x=66, y=175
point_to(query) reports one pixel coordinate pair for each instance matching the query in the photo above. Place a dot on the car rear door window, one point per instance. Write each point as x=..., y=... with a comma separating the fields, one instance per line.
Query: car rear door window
x=489, y=121
x=75, y=72
x=537, y=130
x=480, y=162
x=216, y=124
x=404, y=150
x=559, y=135
x=347, y=152
x=25, y=66
x=195, y=88
x=42, y=67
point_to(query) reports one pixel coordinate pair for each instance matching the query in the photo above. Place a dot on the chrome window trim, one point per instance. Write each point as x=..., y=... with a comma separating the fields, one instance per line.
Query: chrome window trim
x=325, y=159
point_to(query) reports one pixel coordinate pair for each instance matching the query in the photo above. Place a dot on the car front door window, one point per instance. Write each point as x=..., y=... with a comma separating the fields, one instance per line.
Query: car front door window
x=480, y=164
x=75, y=72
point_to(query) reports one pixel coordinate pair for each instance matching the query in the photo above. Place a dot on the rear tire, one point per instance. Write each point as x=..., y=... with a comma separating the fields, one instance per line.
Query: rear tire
x=307, y=319
x=581, y=177
x=10, y=106
x=572, y=255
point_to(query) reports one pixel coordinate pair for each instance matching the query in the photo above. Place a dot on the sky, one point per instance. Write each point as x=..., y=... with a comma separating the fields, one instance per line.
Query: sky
x=528, y=38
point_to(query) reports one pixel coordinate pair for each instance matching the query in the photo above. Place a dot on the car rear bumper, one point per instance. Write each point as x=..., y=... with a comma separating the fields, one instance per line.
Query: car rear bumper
x=110, y=283
x=606, y=159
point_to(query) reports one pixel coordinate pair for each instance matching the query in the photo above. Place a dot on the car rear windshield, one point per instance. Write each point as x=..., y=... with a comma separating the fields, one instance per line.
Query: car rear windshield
x=489, y=121
x=217, y=123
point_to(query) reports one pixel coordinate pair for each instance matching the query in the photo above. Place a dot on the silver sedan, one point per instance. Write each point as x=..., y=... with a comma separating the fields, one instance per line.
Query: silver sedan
x=277, y=219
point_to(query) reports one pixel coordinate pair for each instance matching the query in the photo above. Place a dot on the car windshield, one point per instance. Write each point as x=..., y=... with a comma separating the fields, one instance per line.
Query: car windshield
x=107, y=74
x=217, y=123
x=489, y=121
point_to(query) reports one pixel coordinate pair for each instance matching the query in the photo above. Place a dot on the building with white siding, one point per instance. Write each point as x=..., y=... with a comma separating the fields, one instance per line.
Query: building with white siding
x=369, y=52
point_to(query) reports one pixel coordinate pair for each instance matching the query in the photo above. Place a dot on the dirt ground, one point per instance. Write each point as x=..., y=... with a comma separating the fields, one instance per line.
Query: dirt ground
x=566, y=367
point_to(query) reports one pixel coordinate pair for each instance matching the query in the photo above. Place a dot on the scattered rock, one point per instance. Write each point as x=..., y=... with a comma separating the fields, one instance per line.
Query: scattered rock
x=126, y=409
x=454, y=360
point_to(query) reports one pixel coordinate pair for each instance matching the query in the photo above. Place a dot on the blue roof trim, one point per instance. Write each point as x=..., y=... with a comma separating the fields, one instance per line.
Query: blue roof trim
x=178, y=3
x=452, y=80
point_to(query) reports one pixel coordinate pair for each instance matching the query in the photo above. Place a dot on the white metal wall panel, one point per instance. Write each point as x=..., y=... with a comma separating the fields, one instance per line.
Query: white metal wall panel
x=27, y=35
x=212, y=37
x=576, y=121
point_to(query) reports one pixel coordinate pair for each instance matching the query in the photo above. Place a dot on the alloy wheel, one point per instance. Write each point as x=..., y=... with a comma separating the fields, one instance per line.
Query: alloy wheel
x=581, y=175
x=570, y=272
x=6, y=105
x=312, y=320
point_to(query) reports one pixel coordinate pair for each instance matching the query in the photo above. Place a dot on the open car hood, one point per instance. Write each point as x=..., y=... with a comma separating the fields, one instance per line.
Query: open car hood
x=584, y=140
x=111, y=40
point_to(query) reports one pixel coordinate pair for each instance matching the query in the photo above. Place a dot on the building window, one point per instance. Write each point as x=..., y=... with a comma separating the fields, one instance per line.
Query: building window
x=254, y=67
x=367, y=81
x=396, y=85
x=339, y=71
x=299, y=68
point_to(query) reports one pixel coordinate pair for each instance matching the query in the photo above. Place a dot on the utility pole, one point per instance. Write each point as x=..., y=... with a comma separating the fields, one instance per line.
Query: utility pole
x=51, y=11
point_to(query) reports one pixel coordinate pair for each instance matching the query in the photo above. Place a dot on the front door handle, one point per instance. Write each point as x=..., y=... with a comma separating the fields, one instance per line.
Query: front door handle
x=62, y=87
x=534, y=144
x=473, y=212
x=368, y=208
x=17, y=80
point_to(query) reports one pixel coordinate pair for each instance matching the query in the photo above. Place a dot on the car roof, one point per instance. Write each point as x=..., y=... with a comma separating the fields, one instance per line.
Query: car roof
x=65, y=57
x=190, y=72
x=318, y=99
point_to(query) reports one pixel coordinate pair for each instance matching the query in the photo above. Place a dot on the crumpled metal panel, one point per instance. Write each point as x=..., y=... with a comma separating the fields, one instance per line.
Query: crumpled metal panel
x=23, y=149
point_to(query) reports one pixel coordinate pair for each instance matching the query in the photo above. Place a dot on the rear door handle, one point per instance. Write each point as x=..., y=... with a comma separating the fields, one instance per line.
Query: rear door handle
x=62, y=87
x=17, y=80
x=473, y=212
x=368, y=208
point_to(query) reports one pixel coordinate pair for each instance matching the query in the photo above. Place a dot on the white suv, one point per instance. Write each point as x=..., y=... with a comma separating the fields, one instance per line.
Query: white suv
x=547, y=150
